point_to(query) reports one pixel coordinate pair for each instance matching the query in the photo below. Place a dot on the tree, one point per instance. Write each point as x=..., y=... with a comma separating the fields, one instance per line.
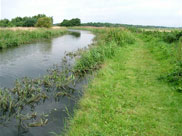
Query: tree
x=39, y=16
x=29, y=21
x=18, y=21
x=72, y=22
x=65, y=23
x=24, y=22
x=44, y=22
x=75, y=22
x=4, y=23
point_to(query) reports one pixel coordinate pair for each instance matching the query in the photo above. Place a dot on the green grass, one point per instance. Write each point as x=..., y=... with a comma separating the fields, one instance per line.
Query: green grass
x=126, y=96
x=10, y=38
x=107, y=43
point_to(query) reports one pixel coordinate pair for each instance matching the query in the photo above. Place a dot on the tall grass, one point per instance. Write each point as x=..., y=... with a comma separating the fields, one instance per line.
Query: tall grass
x=10, y=38
x=180, y=49
x=110, y=40
x=169, y=51
x=125, y=97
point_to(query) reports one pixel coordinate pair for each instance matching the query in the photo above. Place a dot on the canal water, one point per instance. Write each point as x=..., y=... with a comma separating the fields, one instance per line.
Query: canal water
x=33, y=60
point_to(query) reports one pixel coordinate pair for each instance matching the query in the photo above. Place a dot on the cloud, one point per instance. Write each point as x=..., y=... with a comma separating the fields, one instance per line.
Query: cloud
x=0, y=9
x=180, y=13
x=147, y=12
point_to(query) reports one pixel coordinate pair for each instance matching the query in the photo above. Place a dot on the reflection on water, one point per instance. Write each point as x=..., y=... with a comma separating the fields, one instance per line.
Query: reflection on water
x=33, y=60
x=47, y=48
x=75, y=34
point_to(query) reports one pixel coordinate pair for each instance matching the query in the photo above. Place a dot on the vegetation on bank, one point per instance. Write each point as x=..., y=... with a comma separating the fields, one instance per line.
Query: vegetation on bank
x=93, y=58
x=168, y=37
x=170, y=49
x=130, y=94
x=10, y=38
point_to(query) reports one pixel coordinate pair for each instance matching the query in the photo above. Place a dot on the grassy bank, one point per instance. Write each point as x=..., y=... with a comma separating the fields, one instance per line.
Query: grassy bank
x=127, y=95
x=11, y=38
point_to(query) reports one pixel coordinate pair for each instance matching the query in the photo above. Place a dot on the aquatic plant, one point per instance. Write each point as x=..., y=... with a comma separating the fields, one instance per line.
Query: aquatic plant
x=27, y=93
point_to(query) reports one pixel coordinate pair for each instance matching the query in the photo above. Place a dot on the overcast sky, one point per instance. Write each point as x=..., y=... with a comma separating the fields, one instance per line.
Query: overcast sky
x=142, y=12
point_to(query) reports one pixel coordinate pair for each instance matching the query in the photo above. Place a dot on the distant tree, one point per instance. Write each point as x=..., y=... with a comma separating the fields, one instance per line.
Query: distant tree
x=44, y=22
x=39, y=16
x=75, y=22
x=4, y=23
x=65, y=23
x=18, y=21
x=29, y=21
x=72, y=22
x=23, y=22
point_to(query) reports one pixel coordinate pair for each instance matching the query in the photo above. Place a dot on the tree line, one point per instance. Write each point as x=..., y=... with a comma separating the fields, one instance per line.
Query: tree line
x=40, y=20
x=99, y=24
x=24, y=21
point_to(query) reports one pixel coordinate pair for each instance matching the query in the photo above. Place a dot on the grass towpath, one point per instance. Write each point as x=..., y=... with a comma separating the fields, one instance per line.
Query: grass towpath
x=126, y=98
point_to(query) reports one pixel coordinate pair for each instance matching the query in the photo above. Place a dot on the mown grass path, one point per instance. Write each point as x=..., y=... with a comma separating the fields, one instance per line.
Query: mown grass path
x=126, y=98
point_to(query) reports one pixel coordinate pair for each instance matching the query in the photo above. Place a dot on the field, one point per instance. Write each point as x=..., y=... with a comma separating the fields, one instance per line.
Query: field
x=137, y=86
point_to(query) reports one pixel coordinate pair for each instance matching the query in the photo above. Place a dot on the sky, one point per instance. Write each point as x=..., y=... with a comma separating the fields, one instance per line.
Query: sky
x=137, y=12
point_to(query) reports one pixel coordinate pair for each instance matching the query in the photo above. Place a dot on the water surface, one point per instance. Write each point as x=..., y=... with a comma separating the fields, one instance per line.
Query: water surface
x=33, y=60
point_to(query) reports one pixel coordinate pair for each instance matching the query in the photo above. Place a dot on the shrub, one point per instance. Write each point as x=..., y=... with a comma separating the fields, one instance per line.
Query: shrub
x=170, y=37
x=44, y=22
x=179, y=35
x=174, y=76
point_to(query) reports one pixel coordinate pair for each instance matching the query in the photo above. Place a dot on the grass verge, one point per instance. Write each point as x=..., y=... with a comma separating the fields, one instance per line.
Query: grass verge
x=126, y=97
